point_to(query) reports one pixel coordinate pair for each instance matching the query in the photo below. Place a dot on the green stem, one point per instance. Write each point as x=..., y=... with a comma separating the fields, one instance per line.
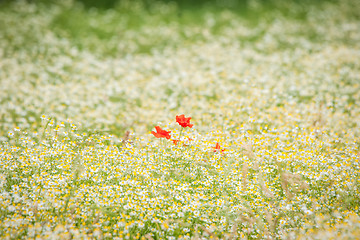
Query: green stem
x=163, y=147
x=180, y=134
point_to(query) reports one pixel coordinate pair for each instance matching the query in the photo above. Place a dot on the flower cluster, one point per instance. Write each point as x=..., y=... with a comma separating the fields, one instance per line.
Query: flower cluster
x=181, y=120
x=184, y=122
x=82, y=176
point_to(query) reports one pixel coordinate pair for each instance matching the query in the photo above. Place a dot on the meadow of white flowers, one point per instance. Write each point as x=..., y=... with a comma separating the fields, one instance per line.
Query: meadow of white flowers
x=274, y=96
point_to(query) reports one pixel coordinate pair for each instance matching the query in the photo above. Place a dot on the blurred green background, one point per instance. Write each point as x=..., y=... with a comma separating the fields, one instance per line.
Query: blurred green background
x=230, y=4
x=52, y=46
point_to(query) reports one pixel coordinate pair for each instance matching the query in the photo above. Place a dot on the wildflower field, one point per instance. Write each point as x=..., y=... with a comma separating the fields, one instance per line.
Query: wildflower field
x=151, y=121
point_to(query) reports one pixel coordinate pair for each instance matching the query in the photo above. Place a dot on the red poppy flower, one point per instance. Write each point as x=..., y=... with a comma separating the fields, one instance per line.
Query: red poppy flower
x=160, y=133
x=183, y=121
x=175, y=141
x=217, y=148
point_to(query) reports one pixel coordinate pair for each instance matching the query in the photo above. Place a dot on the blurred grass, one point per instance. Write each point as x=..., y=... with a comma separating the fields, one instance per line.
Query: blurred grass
x=101, y=29
x=106, y=27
